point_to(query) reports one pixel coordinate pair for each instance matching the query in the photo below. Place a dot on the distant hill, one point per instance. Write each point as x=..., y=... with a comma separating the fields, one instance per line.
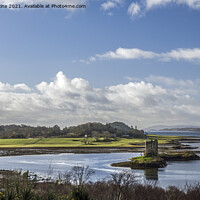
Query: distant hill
x=120, y=126
x=181, y=129
x=173, y=128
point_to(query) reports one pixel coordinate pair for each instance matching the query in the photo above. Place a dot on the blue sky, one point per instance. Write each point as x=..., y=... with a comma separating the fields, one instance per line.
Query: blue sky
x=131, y=61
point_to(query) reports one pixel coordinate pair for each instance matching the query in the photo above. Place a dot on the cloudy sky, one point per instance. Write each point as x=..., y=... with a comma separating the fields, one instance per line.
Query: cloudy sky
x=115, y=60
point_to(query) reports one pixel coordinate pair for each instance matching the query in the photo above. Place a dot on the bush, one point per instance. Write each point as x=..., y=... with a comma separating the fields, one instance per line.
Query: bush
x=120, y=186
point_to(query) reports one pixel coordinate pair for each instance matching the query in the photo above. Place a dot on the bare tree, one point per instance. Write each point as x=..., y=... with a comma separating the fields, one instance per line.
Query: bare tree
x=78, y=175
x=121, y=183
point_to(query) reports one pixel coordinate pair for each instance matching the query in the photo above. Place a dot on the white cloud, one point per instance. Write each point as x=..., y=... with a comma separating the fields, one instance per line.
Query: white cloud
x=191, y=3
x=22, y=87
x=190, y=55
x=92, y=58
x=171, y=81
x=111, y=4
x=133, y=9
x=108, y=5
x=67, y=101
x=122, y=53
x=153, y=3
x=141, y=7
x=182, y=54
x=18, y=87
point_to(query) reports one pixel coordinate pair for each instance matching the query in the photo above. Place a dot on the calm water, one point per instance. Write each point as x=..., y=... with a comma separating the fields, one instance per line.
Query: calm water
x=176, y=173
x=193, y=145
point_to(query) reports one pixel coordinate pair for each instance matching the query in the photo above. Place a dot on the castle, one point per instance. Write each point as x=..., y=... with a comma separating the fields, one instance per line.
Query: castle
x=151, y=148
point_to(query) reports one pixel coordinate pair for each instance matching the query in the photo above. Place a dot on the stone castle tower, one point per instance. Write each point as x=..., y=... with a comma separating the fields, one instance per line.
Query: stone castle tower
x=151, y=148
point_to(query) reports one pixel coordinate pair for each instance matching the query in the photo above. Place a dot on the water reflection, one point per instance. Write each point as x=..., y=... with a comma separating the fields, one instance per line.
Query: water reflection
x=151, y=174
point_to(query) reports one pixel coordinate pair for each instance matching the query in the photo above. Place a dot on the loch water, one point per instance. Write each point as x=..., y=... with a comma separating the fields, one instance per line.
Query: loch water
x=176, y=173
x=195, y=134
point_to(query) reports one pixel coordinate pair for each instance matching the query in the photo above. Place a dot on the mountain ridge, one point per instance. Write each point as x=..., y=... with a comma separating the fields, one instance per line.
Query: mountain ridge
x=173, y=128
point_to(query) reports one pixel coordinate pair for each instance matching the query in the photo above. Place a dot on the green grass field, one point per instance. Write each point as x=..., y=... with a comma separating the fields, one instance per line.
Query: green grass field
x=78, y=142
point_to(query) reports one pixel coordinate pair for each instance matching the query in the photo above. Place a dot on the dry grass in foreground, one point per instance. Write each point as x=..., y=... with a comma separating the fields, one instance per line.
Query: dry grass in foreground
x=75, y=184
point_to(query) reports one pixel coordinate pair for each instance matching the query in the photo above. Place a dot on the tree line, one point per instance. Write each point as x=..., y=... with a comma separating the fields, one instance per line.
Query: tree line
x=91, y=129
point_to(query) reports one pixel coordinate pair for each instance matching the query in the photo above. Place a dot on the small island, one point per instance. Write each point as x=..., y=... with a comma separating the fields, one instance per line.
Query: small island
x=142, y=162
x=180, y=156
x=149, y=160
x=152, y=159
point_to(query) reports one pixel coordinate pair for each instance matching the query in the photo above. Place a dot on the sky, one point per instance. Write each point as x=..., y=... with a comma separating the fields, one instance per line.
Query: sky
x=114, y=60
